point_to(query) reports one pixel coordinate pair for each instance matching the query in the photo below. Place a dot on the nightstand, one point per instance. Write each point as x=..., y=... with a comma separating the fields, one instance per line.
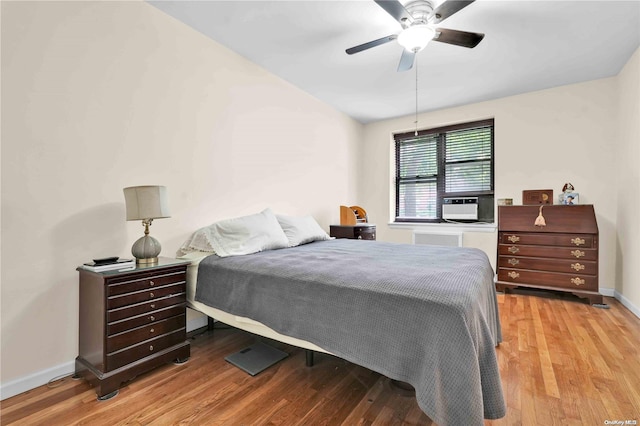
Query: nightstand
x=131, y=322
x=361, y=231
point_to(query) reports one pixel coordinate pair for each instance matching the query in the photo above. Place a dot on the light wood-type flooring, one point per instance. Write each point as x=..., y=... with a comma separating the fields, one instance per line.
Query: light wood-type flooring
x=562, y=362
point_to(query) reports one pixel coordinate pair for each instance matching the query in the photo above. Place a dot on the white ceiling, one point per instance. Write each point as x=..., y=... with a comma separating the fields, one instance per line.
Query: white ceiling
x=528, y=45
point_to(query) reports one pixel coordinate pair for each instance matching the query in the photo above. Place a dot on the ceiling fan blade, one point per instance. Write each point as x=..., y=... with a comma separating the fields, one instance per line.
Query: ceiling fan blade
x=448, y=8
x=397, y=10
x=406, y=60
x=371, y=44
x=459, y=38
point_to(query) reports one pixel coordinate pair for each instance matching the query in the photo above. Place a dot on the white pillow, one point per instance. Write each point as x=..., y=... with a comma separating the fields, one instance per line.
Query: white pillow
x=199, y=241
x=246, y=234
x=301, y=230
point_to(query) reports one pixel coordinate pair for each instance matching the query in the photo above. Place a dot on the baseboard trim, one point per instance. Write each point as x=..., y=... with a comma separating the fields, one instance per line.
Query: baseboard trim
x=32, y=381
x=606, y=291
x=627, y=303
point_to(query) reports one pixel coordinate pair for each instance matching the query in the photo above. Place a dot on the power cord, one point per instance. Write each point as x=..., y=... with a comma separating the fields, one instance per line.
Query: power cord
x=59, y=380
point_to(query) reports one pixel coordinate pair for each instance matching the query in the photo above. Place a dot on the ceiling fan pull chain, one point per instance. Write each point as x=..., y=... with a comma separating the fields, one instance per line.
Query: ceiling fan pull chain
x=416, y=122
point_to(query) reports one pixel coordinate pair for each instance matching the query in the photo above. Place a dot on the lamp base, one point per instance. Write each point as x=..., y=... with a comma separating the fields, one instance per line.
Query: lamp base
x=146, y=250
x=148, y=261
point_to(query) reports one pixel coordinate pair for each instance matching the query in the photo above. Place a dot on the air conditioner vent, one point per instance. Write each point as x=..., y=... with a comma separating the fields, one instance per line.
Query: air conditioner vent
x=449, y=239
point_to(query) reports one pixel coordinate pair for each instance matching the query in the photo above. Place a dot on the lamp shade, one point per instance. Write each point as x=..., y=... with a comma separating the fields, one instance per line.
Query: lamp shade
x=416, y=37
x=146, y=202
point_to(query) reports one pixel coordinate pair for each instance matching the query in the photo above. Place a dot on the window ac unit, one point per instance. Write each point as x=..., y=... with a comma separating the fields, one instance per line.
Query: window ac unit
x=462, y=208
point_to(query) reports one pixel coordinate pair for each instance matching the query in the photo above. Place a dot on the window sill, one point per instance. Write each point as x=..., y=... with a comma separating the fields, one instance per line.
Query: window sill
x=446, y=227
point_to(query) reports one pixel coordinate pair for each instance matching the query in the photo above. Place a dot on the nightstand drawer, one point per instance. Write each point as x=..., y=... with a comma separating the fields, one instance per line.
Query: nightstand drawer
x=140, y=334
x=144, y=319
x=356, y=232
x=368, y=233
x=146, y=307
x=145, y=295
x=149, y=283
x=146, y=348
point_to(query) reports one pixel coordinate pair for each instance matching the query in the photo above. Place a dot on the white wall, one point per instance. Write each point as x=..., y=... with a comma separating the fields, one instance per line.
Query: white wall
x=102, y=95
x=627, y=185
x=542, y=140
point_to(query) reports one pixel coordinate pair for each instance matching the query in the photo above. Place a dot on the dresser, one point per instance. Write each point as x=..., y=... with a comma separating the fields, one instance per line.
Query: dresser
x=561, y=256
x=130, y=322
x=361, y=231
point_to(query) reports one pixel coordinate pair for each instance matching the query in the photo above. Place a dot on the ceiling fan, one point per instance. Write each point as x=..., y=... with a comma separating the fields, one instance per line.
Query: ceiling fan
x=418, y=19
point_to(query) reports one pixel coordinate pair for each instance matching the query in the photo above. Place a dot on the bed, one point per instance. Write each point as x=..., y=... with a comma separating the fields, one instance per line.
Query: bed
x=424, y=315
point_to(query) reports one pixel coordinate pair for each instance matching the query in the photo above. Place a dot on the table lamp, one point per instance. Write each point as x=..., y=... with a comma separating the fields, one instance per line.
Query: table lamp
x=146, y=203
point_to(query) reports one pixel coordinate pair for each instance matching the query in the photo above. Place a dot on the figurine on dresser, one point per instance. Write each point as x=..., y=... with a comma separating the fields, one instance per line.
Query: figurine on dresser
x=568, y=196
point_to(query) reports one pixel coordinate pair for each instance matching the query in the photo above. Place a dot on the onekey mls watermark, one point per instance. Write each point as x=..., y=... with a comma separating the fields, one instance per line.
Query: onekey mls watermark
x=621, y=422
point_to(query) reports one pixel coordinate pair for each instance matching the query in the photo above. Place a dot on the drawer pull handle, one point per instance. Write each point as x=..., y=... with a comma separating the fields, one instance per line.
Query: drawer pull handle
x=577, y=253
x=513, y=261
x=151, y=283
x=151, y=331
x=152, y=318
x=150, y=347
x=513, y=275
x=153, y=306
x=513, y=238
x=577, y=281
x=577, y=267
x=577, y=241
x=513, y=249
x=151, y=295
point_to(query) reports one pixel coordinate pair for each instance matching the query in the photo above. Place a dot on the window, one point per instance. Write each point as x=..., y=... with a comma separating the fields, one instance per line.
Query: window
x=447, y=162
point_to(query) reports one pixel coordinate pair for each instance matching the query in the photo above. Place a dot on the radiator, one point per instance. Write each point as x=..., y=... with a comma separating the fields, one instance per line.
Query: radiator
x=451, y=239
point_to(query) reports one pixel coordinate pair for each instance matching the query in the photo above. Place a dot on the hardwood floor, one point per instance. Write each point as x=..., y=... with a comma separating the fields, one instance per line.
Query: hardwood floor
x=561, y=362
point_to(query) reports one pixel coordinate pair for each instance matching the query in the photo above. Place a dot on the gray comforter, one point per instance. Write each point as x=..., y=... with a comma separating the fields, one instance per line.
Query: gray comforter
x=424, y=315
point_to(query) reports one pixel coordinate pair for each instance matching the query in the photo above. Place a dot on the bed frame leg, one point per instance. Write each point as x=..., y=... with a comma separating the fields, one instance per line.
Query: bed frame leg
x=309, y=354
x=210, y=323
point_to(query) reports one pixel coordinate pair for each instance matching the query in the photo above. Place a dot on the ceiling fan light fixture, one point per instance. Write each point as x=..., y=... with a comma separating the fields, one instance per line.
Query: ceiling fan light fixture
x=416, y=37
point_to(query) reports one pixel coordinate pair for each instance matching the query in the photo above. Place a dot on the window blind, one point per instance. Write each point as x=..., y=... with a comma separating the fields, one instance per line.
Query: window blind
x=439, y=163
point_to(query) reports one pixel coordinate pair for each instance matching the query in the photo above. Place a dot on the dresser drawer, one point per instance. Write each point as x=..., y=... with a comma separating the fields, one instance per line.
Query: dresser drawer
x=144, y=295
x=137, y=335
x=543, y=251
x=567, y=240
x=550, y=279
x=146, y=348
x=147, y=283
x=144, y=319
x=554, y=265
x=146, y=307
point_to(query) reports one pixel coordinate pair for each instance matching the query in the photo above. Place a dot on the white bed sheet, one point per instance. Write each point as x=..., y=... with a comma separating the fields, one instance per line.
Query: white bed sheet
x=243, y=323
